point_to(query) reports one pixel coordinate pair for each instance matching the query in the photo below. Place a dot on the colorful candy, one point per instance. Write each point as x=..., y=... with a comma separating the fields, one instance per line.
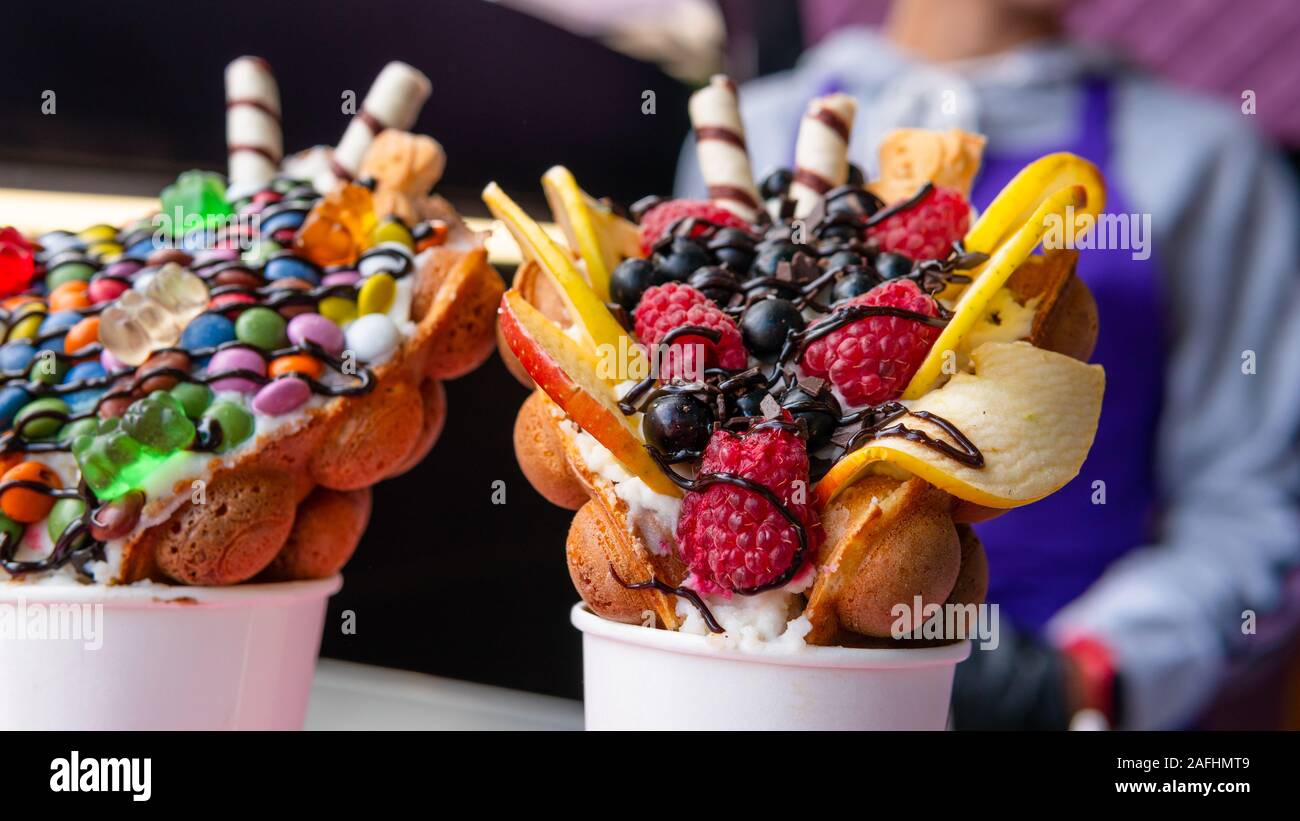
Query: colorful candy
x=338, y=227
x=282, y=396
x=23, y=504
x=117, y=518
x=295, y=363
x=63, y=514
x=377, y=294
x=179, y=292
x=235, y=424
x=158, y=421
x=262, y=328
x=135, y=325
x=41, y=418
x=236, y=358
x=197, y=200
x=17, y=263
x=315, y=328
x=373, y=337
x=207, y=331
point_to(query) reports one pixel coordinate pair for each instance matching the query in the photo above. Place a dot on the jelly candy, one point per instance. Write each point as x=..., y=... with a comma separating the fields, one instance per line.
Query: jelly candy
x=16, y=262
x=338, y=227
x=179, y=291
x=111, y=461
x=158, y=421
x=135, y=325
x=196, y=201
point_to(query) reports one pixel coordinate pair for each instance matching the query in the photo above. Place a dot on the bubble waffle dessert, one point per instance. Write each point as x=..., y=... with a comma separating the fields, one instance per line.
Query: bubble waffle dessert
x=206, y=396
x=778, y=411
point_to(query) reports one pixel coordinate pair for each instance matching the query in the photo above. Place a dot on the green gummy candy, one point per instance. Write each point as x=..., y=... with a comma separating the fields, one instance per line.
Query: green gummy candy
x=158, y=421
x=197, y=199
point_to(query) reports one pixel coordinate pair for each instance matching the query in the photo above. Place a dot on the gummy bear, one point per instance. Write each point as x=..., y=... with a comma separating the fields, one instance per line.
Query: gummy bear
x=180, y=292
x=111, y=461
x=338, y=227
x=16, y=262
x=136, y=325
x=158, y=421
x=197, y=200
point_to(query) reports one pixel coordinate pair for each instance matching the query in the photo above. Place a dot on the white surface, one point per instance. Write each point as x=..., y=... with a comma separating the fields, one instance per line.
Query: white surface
x=348, y=696
x=161, y=657
x=638, y=678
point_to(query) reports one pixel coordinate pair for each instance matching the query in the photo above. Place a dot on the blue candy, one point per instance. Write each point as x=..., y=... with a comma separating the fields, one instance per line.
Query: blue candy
x=16, y=356
x=12, y=400
x=285, y=219
x=59, y=321
x=290, y=267
x=207, y=331
x=84, y=400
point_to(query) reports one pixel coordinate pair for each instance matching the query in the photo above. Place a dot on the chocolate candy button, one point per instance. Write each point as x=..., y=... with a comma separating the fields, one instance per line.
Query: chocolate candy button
x=316, y=328
x=377, y=294
x=373, y=337
x=282, y=396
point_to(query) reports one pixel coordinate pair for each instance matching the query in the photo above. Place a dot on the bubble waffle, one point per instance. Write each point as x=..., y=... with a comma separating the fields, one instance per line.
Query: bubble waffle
x=206, y=396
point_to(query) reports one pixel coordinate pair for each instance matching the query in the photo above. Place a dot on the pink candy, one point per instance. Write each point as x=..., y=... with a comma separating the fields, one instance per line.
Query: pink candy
x=236, y=359
x=316, y=328
x=105, y=289
x=282, y=396
x=341, y=278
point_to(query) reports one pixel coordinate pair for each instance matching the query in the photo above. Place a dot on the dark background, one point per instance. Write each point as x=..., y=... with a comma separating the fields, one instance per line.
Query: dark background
x=445, y=582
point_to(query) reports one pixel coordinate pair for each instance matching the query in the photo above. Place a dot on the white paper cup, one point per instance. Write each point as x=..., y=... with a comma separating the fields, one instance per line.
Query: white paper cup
x=639, y=678
x=160, y=657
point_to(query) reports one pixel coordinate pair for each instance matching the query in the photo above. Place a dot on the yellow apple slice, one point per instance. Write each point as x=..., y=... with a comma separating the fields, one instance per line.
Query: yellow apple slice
x=585, y=308
x=1032, y=413
x=1019, y=201
x=988, y=279
x=569, y=376
x=600, y=237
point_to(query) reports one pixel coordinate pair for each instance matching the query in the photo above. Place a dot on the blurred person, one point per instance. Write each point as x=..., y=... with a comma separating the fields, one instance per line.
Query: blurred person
x=1134, y=607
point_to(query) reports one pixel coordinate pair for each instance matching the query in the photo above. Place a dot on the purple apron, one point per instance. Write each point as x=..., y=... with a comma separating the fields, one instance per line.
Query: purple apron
x=1046, y=554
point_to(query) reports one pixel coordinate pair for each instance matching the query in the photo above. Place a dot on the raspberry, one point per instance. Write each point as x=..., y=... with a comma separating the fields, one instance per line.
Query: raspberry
x=656, y=222
x=734, y=539
x=674, y=305
x=871, y=360
x=928, y=229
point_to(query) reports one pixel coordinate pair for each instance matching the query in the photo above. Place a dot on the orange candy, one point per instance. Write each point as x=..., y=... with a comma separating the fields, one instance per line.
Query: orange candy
x=14, y=301
x=296, y=363
x=69, y=296
x=85, y=332
x=21, y=504
x=338, y=227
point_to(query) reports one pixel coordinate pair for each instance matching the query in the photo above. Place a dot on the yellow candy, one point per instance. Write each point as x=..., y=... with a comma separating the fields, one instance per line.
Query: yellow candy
x=338, y=309
x=393, y=231
x=27, y=327
x=98, y=233
x=377, y=294
x=105, y=251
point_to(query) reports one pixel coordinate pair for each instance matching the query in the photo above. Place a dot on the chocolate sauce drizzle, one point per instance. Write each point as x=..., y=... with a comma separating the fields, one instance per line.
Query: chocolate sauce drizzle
x=664, y=587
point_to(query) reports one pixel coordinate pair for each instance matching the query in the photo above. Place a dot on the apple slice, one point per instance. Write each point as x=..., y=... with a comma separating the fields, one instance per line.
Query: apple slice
x=988, y=279
x=601, y=238
x=569, y=376
x=1032, y=413
x=1019, y=201
x=584, y=307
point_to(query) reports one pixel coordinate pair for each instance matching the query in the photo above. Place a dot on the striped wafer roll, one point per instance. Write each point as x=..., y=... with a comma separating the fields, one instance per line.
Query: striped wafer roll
x=720, y=145
x=821, y=153
x=254, y=141
x=394, y=101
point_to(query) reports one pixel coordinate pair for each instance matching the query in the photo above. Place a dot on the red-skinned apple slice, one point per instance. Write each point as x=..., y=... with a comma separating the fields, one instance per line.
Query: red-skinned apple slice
x=568, y=375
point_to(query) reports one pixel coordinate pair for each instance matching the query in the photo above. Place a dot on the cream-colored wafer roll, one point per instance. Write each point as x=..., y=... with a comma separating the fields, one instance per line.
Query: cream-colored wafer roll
x=720, y=146
x=254, y=140
x=821, y=153
x=394, y=101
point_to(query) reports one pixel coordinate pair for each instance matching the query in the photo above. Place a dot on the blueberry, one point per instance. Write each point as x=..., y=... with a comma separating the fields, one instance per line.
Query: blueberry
x=892, y=266
x=773, y=255
x=630, y=280
x=843, y=259
x=820, y=413
x=766, y=324
x=749, y=404
x=855, y=284
x=677, y=422
x=776, y=184
x=718, y=284
x=856, y=177
x=841, y=232
x=856, y=201
x=683, y=257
